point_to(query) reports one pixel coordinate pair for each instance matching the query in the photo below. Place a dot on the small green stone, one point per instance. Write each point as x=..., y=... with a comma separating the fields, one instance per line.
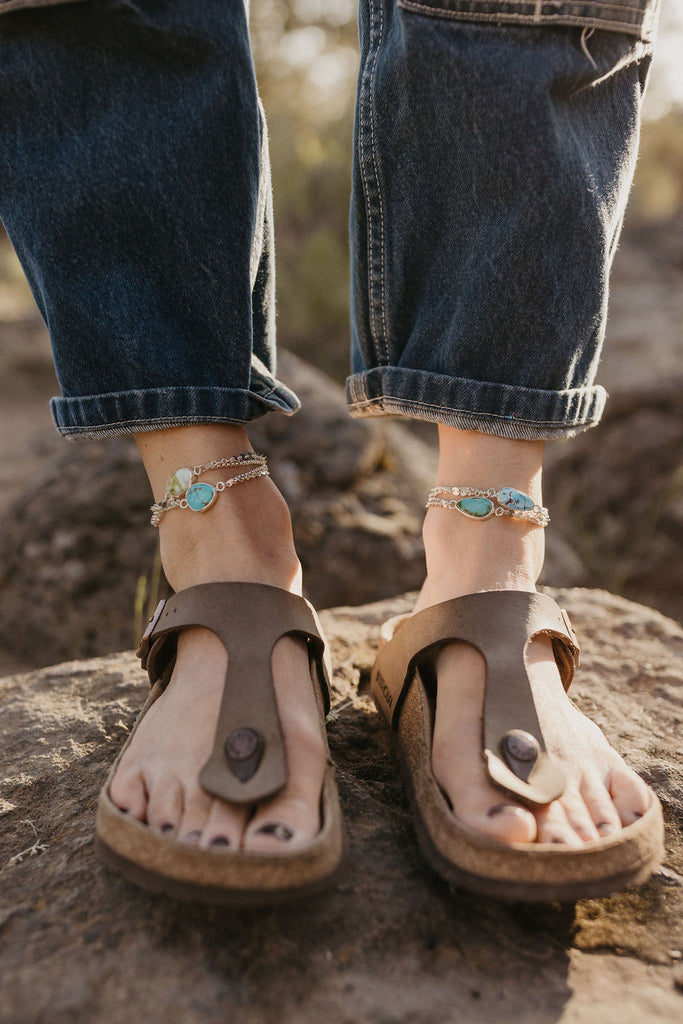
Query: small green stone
x=475, y=508
x=179, y=482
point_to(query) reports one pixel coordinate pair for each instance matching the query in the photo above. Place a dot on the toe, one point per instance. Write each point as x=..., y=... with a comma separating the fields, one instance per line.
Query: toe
x=165, y=803
x=287, y=821
x=128, y=793
x=554, y=827
x=224, y=826
x=196, y=808
x=579, y=817
x=488, y=812
x=293, y=817
x=507, y=822
x=598, y=801
x=630, y=795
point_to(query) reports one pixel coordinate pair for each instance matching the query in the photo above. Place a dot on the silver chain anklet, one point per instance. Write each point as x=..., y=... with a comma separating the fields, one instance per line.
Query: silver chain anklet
x=478, y=504
x=183, y=491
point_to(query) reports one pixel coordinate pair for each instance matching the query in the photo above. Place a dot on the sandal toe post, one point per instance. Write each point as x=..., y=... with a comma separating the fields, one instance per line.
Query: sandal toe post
x=247, y=761
x=403, y=683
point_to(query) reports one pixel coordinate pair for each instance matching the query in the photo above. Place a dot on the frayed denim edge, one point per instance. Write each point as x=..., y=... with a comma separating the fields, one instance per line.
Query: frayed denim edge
x=519, y=428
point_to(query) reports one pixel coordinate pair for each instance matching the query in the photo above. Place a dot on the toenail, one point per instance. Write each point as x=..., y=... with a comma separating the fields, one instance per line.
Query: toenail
x=493, y=811
x=559, y=842
x=167, y=827
x=503, y=809
x=220, y=841
x=278, y=831
x=607, y=828
x=192, y=837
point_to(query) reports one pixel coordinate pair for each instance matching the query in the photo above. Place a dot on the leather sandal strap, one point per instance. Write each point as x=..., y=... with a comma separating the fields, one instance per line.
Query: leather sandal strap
x=247, y=762
x=498, y=624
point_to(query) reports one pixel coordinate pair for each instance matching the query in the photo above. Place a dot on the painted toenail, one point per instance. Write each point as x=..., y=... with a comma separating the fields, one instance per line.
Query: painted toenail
x=278, y=831
x=167, y=827
x=192, y=837
x=503, y=809
x=220, y=841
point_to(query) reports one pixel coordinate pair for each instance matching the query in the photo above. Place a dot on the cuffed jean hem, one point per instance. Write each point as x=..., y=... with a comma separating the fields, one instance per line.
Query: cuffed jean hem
x=519, y=413
x=134, y=412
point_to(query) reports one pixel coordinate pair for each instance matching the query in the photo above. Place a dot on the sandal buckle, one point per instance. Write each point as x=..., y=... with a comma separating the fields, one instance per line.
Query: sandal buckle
x=143, y=647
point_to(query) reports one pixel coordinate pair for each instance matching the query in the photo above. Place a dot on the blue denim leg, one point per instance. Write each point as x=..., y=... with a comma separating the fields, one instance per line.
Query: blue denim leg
x=491, y=169
x=135, y=187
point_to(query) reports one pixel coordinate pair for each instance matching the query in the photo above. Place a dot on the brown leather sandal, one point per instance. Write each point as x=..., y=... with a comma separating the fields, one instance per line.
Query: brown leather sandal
x=499, y=624
x=247, y=763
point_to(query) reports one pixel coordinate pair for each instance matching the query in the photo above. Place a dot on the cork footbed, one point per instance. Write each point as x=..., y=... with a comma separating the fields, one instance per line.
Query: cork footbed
x=161, y=863
x=532, y=872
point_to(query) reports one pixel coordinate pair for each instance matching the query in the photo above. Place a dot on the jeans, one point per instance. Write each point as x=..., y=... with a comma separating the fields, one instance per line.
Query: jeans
x=493, y=154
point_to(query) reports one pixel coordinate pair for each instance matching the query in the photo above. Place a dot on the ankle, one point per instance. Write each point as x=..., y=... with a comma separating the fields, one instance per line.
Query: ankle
x=464, y=556
x=472, y=459
x=245, y=535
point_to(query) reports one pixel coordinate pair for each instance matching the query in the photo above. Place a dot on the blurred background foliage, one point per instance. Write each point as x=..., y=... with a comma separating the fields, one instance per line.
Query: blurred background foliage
x=306, y=55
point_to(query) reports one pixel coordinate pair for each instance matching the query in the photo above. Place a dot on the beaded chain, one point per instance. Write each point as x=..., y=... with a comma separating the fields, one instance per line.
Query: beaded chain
x=183, y=491
x=476, y=503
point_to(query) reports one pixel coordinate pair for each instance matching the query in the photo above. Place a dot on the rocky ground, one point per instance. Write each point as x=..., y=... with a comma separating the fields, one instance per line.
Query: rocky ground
x=389, y=944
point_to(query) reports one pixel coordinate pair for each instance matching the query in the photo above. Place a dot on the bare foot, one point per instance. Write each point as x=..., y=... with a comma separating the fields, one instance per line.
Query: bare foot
x=245, y=536
x=463, y=557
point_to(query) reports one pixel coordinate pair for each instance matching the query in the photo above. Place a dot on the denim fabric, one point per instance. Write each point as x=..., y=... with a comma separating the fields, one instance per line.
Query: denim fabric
x=492, y=166
x=15, y=5
x=634, y=16
x=136, y=191
x=637, y=17
x=491, y=169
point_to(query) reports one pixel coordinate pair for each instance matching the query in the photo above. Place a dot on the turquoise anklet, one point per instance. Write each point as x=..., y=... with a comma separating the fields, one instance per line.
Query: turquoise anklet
x=478, y=504
x=183, y=491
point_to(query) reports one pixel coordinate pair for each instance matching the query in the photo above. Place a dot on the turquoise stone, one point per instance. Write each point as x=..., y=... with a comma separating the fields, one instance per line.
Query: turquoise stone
x=515, y=500
x=475, y=508
x=201, y=496
x=179, y=482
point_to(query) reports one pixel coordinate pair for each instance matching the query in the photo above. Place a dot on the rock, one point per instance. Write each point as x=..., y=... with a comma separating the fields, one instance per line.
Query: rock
x=644, y=341
x=616, y=496
x=72, y=549
x=388, y=943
